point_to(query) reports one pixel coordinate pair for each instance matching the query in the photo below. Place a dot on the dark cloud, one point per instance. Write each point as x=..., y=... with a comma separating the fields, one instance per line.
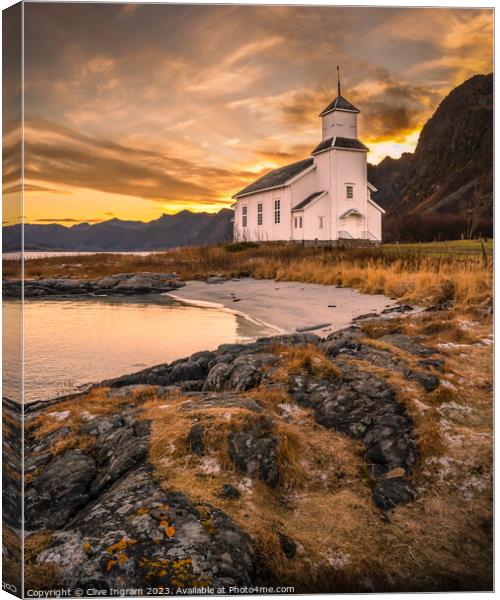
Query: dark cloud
x=397, y=110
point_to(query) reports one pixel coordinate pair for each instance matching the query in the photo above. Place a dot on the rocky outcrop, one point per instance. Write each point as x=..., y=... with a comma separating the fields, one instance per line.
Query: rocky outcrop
x=119, y=284
x=255, y=452
x=114, y=526
x=138, y=536
x=347, y=343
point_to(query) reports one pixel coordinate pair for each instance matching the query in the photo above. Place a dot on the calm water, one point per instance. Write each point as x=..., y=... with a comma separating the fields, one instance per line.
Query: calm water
x=69, y=343
x=48, y=254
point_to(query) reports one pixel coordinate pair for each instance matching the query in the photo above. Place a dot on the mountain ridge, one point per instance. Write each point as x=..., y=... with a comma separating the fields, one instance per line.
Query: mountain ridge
x=445, y=188
x=168, y=231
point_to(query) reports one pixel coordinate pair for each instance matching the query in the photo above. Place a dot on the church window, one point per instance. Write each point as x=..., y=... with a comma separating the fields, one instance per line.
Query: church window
x=277, y=215
x=300, y=222
x=295, y=222
x=259, y=213
x=244, y=215
x=320, y=222
x=349, y=191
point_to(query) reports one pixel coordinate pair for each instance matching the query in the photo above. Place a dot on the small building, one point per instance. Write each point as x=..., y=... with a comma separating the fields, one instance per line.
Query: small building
x=325, y=197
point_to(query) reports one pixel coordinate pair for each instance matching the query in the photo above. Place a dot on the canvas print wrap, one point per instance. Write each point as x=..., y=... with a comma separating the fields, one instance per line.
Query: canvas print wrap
x=247, y=299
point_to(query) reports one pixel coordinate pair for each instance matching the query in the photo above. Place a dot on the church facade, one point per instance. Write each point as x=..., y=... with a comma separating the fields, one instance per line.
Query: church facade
x=325, y=197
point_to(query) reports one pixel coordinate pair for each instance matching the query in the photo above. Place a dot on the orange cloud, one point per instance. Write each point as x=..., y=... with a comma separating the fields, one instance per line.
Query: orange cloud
x=136, y=109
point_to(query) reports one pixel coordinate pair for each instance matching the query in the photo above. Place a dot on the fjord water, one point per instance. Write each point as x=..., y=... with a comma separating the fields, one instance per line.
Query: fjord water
x=72, y=342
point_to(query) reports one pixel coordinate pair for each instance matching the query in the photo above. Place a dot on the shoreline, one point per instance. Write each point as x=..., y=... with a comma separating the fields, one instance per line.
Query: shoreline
x=287, y=306
x=220, y=306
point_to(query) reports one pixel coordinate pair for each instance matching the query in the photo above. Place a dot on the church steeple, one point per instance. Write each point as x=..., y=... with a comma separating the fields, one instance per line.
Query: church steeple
x=340, y=116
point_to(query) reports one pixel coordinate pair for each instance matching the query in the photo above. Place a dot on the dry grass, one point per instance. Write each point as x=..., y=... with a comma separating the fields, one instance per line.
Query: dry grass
x=73, y=413
x=313, y=462
x=11, y=556
x=39, y=576
x=408, y=276
x=304, y=359
x=453, y=430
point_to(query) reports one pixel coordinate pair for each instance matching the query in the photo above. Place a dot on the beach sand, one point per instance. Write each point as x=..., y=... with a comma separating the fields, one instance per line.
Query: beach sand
x=285, y=305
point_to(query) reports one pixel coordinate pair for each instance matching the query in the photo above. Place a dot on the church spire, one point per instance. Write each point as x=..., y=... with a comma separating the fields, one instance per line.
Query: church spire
x=338, y=81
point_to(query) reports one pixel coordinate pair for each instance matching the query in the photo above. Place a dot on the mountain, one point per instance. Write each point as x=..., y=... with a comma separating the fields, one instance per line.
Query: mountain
x=182, y=229
x=444, y=189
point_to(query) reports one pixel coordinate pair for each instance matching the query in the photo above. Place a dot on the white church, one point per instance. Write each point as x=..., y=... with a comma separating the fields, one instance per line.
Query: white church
x=323, y=198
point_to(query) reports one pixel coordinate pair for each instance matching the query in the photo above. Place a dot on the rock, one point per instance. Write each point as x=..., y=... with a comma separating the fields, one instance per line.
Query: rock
x=205, y=359
x=388, y=444
x=228, y=352
x=217, y=377
x=312, y=327
x=435, y=363
x=120, y=283
x=230, y=492
x=255, y=452
x=408, y=343
x=243, y=377
x=11, y=289
x=102, y=424
x=187, y=370
x=158, y=375
x=333, y=347
x=62, y=488
x=138, y=282
x=402, y=308
x=288, y=546
x=364, y=407
x=291, y=339
x=365, y=317
x=105, y=283
x=119, y=452
x=244, y=373
x=388, y=493
x=195, y=439
x=135, y=535
x=428, y=381
x=71, y=286
x=212, y=280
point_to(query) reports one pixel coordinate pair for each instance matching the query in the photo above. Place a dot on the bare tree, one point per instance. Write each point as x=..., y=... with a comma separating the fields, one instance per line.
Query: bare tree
x=474, y=208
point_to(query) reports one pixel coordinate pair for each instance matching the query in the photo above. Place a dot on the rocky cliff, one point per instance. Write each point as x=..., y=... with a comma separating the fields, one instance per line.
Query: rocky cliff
x=448, y=181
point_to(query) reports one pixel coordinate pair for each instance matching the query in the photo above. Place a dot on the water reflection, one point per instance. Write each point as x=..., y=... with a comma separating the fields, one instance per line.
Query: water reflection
x=71, y=342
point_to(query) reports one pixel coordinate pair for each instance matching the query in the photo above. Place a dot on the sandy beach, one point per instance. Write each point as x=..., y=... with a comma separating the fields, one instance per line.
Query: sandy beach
x=286, y=306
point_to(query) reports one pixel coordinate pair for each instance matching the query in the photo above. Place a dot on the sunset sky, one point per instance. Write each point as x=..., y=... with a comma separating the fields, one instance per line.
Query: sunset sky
x=132, y=111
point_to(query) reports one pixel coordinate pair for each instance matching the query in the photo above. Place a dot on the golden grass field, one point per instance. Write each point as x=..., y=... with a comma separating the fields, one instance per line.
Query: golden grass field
x=449, y=271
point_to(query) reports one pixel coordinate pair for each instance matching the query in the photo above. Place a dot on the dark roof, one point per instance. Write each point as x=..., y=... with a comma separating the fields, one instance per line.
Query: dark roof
x=340, y=142
x=306, y=201
x=340, y=103
x=349, y=143
x=277, y=177
x=324, y=145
